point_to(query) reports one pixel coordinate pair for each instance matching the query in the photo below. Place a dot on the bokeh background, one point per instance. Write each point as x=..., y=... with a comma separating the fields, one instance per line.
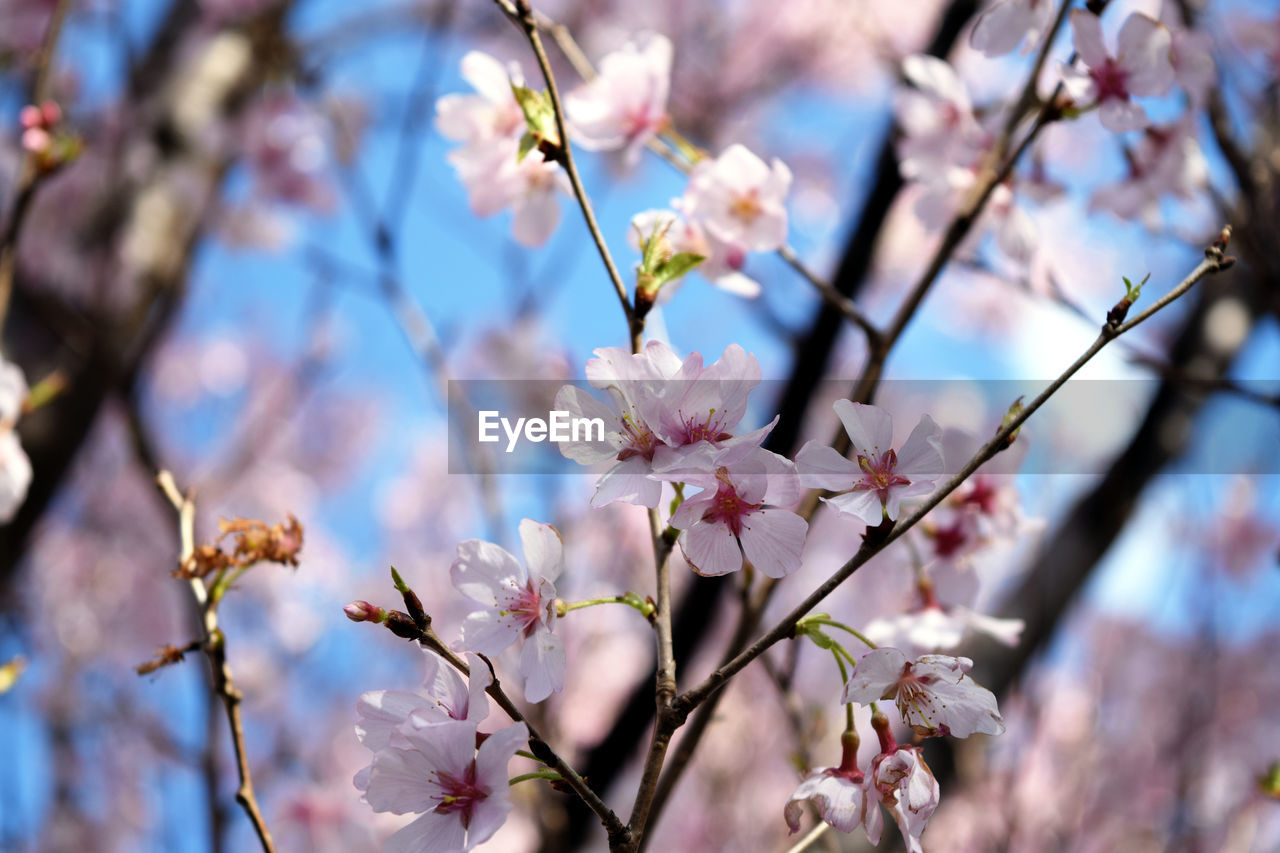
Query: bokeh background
x=261, y=274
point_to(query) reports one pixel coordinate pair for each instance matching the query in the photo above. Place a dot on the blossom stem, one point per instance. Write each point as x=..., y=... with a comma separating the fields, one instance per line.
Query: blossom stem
x=215, y=648
x=630, y=599
x=844, y=679
x=1215, y=261
x=827, y=620
x=522, y=13
x=549, y=775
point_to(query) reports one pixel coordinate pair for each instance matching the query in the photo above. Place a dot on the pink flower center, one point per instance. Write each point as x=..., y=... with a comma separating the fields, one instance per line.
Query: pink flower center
x=709, y=429
x=878, y=475
x=1110, y=80
x=524, y=605
x=728, y=507
x=982, y=495
x=948, y=540
x=459, y=796
x=643, y=441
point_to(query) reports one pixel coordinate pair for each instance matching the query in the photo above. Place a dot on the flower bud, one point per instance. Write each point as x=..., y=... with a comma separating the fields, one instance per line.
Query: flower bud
x=363, y=611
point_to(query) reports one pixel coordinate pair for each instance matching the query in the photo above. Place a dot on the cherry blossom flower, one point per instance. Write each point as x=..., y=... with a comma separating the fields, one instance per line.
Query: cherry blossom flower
x=1007, y=23
x=495, y=180
x=436, y=771
x=519, y=603
x=490, y=125
x=704, y=403
x=285, y=145
x=15, y=467
x=1191, y=54
x=875, y=485
x=736, y=513
x=723, y=261
x=909, y=791
x=845, y=796
x=740, y=200
x=944, y=146
x=1167, y=161
x=628, y=438
x=661, y=405
x=1141, y=67
x=936, y=627
x=446, y=697
x=626, y=104
x=933, y=693
x=490, y=114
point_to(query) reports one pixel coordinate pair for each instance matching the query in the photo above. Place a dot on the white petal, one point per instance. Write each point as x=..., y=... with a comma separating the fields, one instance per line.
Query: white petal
x=542, y=665
x=869, y=427
x=1087, y=34
x=773, y=540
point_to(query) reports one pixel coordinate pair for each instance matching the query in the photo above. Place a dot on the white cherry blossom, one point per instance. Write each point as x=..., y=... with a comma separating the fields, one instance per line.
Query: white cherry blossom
x=934, y=693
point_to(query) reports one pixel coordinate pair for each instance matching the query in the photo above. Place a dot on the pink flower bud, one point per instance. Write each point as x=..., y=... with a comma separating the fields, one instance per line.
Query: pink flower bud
x=363, y=611
x=51, y=113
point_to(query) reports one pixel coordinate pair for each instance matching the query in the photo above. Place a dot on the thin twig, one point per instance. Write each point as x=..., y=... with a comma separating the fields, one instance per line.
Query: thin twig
x=215, y=648
x=522, y=13
x=573, y=52
x=1213, y=262
x=29, y=176
x=613, y=825
x=809, y=840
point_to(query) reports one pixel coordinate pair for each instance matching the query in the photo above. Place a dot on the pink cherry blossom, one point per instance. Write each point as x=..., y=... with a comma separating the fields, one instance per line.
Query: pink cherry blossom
x=934, y=693
x=944, y=146
x=495, y=180
x=736, y=513
x=1007, y=23
x=626, y=104
x=436, y=771
x=1141, y=67
x=1166, y=162
x=519, y=603
x=723, y=261
x=936, y=628
x=490, y=114
x=661, y=404
x=876, y=483
x=703, y=403
x=490, y=124
x=909, y=791
x=286, y=146
x=740, y=200
x=628, y=437
x=446, y=697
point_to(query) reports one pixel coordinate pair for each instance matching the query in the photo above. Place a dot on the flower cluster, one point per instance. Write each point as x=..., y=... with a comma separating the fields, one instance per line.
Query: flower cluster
x=935, y=696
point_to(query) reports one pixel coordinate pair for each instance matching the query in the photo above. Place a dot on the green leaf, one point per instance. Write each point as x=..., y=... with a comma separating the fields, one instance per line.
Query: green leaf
x=677, y=265
x=528, y=142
